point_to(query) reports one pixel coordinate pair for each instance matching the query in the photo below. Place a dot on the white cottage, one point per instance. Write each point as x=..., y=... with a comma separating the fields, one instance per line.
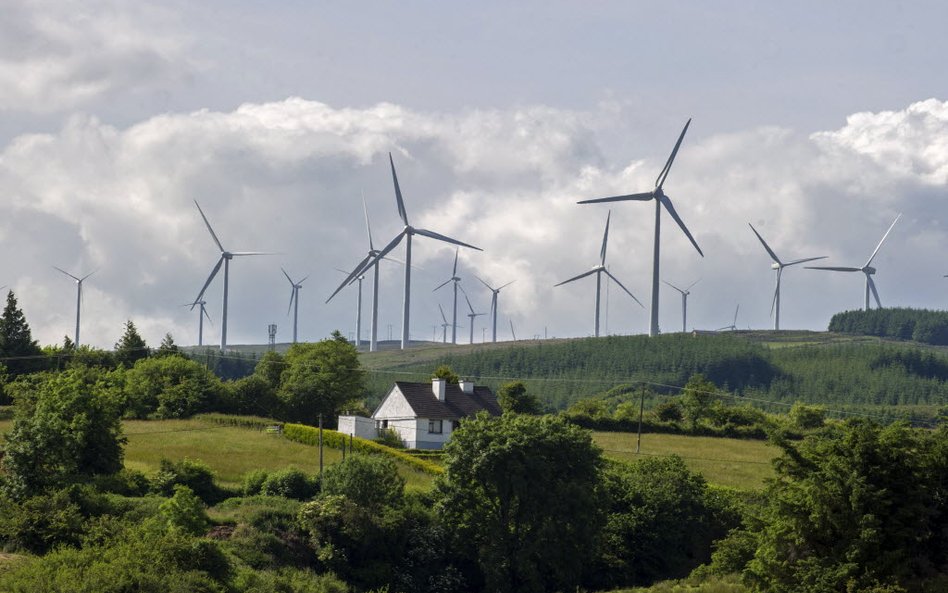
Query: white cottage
x=425, y=414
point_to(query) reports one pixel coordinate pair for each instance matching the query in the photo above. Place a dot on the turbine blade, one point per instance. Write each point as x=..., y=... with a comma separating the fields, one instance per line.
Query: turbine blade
x=773, y=255
x=692, y=284
x=643, y=197
x=627, y=291
x=208, y=315
x=302, y=281
x=242, y=253
x=605, y=240
x=209, y=229
x=208, y=281
x=484, y=283
x=660, y=181
x=833, y=268
x=446, y=239
x=288, y=276
x=773, y=304
x=454, y=272
x=875, y=293
x=583, y=275
x=671, y=210
x=736, y=309
x=470, y=306
x=89, y=274
x=368, y=229
x=292, y=296
x=66, y=273
x=800, y=261
x=443, y=315
x=883, y=241
x=355, y=272
x=506, y=285
x=443, y=283
x=675, y=287
x=398, y=193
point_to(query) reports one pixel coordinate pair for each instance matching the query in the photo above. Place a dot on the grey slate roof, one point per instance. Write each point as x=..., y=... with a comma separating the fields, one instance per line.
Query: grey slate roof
x=457, y=404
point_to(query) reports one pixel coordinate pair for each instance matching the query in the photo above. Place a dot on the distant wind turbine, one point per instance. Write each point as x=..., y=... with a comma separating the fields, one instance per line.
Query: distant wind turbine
x=454, y=278
x=867, y=269
x=224, y=260
x=661, y=200
x=472, y=315
x=444, y=325
x=493, y=304
x=201, y=315
x=684, y=302
x=733, y=326
x=407, y=232
x=779, y=266
x=512, y=332
x=78, y=297
x=295, y=300
x=599, y=270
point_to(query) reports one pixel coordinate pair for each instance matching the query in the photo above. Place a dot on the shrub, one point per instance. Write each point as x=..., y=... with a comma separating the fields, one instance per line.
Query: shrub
x=191, y=473
x=40, y=523
x=367, y=480
x=185, y=511
x=290, y=483
x=253, y=482
x=669, y=412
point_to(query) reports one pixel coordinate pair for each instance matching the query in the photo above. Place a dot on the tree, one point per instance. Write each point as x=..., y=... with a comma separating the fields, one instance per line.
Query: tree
x=514, y=399
x=17, y=345
x=852, y=507
x=521, y=493
x=66, y=426
x=320, y=378
x=168, y=347
x=170, y=387
x=370, y=481
x=698, y=398
x=131, y=347
x=445, y=372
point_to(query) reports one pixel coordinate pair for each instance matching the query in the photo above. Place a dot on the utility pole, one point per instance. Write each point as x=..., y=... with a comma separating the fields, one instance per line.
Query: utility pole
x=320, y=449
x=638, y=444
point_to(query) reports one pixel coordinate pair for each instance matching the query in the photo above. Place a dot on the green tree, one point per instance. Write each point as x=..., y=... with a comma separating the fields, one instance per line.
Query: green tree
x=514, y=399
x=170, y=387
x=698, y=398
x=445, y=372
x=168, y=347
x=185, y=511
x=320, y=378
x=66, y=426
x=853, y=506
x=368, y=480
x=17, y=345
x=521, y=491
x=131, y=347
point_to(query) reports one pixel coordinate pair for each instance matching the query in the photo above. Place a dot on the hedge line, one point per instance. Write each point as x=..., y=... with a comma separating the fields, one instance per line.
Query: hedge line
x=254, y=422
x=754, y=432
x=309, y=435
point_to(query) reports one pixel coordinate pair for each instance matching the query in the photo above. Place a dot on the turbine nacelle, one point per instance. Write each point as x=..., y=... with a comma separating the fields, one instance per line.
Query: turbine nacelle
x=869, y=270
x=775, y=266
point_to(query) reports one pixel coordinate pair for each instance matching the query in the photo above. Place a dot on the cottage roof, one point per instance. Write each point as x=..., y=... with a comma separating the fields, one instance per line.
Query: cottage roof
x=457, y=404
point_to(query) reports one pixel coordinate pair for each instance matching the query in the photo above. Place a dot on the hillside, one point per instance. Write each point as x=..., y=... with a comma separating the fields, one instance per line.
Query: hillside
x=845, y=373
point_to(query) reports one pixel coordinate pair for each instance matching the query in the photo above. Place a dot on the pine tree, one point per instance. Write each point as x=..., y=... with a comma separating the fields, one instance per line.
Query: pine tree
x=17, y=345
x=168, y=347
x=131, y=347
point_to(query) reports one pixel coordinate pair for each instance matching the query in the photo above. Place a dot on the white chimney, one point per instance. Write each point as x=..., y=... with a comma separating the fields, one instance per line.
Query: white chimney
x=438, y=388
x=467, y=386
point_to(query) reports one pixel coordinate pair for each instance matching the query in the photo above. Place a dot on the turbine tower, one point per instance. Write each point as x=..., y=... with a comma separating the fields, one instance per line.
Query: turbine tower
x=867, y=269
x=733, y=326
x=78, y=297
x=454, y=278
x=224, y=260
x=779, y=266
x=684, y=302
x=444, y=326
x=512, y=332
x=201, y=315
x=661, y=200
x=407, y=232
x=472, y=315
x=493, y=304
x=599, y=270
x=295, y=299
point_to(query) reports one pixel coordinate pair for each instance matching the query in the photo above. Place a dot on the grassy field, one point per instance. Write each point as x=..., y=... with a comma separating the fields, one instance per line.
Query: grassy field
x=735, y=463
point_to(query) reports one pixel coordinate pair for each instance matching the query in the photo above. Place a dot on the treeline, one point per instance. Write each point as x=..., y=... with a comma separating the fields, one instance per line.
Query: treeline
x=921, y=325
x=890, y=379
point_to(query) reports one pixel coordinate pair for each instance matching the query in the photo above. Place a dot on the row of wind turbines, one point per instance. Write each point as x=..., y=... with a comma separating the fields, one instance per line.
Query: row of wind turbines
x=373, y=257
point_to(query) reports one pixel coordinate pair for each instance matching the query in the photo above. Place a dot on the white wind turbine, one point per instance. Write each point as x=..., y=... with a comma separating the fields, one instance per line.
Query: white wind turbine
x=444, y=325
x=493, y=304
x=224, y=260
x=512, y=332
x=454, y=278
x=78, y=298
x=201, y=315
x=471, y=315
x=295, y=299
x=661, y=200
x=867, y=269
x=684, y=302
x=733, y=326
x=779, y=266
x=407, y=232
x=599, y=270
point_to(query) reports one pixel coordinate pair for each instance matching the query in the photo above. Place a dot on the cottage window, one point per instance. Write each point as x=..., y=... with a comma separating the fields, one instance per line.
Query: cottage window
x=434, y=426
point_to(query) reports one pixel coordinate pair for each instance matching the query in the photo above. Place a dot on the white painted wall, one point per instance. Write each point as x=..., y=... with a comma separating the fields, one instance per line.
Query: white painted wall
x=360, y=426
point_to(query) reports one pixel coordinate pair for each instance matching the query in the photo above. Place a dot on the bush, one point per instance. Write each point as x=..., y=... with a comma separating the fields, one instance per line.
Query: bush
x=191, y=473
x=185, y=511
x=40, y=523
x=367, y=480
x=253, y=482
x=669, y=412
x=290, y=483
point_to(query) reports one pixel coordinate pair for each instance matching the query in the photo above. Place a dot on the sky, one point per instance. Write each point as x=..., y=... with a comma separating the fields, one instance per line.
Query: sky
x=816, y=122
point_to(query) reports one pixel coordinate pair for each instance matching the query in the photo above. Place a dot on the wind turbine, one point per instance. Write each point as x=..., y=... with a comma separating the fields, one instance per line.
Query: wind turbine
x=779, y=266
x=472, y=315
x=684, y=302
x=225, y=258
x=867, y=269
x=444, y=325
x=733, y=326
x=407, y=232
x=493, y=304
x=661, y=199
x=599, y=270
x=201, y=316
x=454, y=278
x=512, y=332
x=295, y=300
x=78, y=297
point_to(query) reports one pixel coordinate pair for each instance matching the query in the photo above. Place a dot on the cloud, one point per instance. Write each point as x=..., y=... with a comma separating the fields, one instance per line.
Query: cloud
x=287, y=177
x=59, y=54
